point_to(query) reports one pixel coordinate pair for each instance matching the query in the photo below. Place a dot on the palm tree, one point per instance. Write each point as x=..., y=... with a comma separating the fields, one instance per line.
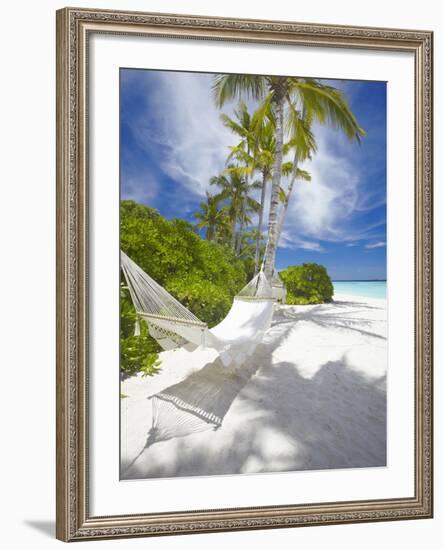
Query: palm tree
x=223, y=229
x=277, y=94
x=265, y=146
x=250, y=206
x=297, y=173
x=264, y=162
x=234, y=190
x=255, y=151
x=210, y=216
x=241, y=125
x=303, y=150
x=259, y=140
x=247, y=251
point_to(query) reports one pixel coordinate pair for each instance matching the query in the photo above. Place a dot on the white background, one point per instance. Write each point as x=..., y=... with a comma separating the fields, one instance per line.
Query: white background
x=27, y=219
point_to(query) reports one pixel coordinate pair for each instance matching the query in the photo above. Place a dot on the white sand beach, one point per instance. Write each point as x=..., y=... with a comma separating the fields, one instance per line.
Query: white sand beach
x=313, y=396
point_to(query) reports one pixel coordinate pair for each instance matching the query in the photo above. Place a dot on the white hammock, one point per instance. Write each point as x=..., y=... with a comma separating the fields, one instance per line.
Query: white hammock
x=173, y=325
x=195, y=404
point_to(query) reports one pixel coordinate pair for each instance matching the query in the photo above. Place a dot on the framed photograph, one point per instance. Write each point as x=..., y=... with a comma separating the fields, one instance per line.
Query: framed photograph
x=244, y=274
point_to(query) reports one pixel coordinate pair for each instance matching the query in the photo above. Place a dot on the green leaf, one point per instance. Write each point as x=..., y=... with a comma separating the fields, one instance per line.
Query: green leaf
x=307, y=284
x=204, y=275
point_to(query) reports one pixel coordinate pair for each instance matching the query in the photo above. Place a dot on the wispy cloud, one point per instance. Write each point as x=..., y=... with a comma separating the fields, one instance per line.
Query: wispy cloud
x=294, y=242
x=177, y=118
x=319, y=207
x=325, y=208
x=379, y=244
x=186, y=126
x=141, y=188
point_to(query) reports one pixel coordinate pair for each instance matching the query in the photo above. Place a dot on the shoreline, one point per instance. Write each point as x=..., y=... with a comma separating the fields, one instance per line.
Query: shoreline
x=344, y=297
x=312, y=397
x=361, y=289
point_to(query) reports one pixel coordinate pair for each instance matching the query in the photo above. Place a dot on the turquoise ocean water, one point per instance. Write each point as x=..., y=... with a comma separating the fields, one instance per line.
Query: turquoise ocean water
x=367, y=289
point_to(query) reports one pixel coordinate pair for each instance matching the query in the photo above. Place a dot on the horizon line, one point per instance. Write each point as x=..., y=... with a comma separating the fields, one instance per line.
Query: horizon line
x=359, y=280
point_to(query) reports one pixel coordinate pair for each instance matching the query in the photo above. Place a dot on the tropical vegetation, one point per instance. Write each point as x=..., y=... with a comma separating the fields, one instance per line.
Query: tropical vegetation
x=204, y=264
x=307, y=284
x=203, y=275
x=291, y=105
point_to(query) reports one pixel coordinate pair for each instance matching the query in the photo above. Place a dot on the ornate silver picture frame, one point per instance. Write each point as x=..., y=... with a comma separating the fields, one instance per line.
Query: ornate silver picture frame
x=75, y=27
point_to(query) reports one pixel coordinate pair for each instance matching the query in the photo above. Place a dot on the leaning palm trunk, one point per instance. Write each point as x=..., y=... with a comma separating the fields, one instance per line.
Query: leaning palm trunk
x=270, y=252
x=283, y=212
x=326, y=104
x=259, y=224
x=284, y=208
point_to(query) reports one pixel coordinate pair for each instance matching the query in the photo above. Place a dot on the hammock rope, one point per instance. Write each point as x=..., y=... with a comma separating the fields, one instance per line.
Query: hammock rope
x=201, y=401
x=173, y=325
x=149, y=297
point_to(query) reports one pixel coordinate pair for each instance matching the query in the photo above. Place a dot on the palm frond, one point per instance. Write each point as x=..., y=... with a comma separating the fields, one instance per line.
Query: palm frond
x=252, y=204
x=232, y=125
x=282, y=194
x=303, y=174
x=236, y=86
x=257, y=184
x=328, y=104
x=287, y=168
x=302, y=138
x=238, y=153
x=241, y=171
x=263, y=115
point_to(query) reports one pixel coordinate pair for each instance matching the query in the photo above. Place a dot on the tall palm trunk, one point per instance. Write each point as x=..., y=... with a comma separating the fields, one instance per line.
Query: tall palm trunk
x=260, y=221
x=238, y=240
x=270, y=251
x=210, y=233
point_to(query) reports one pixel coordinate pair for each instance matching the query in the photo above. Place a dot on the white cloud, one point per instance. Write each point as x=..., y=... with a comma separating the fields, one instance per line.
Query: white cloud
x=188, y=127
x=323, y=208
x=319, y=208
x=143, y=188
x=195, y=145
x=290, y=241
x=370, y=200
x=378, y=244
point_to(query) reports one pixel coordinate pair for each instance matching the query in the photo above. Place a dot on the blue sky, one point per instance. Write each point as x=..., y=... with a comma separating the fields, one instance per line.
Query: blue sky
x=172, y=142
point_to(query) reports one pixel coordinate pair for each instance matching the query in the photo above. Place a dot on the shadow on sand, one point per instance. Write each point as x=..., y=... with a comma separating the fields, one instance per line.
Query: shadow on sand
x=321, y=433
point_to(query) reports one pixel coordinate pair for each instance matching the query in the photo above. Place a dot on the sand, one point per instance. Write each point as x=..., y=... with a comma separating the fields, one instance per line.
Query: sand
x=313, y=396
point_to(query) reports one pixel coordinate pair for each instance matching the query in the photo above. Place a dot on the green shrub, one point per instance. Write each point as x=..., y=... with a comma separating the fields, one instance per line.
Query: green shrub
x=204, y=276
x=170, y=249
x=206, y=300
x=137, y=353
x=307, y=284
